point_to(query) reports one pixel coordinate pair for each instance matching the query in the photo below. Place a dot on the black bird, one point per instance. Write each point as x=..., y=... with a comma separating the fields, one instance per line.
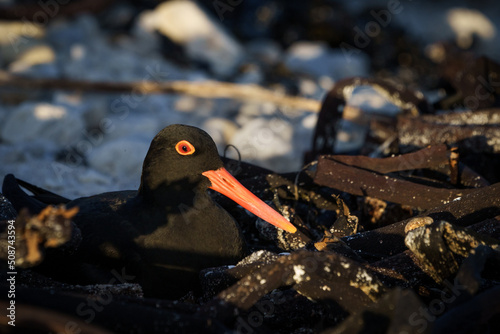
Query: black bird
x=167, y=231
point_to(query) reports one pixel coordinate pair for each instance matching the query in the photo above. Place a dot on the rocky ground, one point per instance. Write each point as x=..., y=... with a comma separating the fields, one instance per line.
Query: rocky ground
x=395, y=235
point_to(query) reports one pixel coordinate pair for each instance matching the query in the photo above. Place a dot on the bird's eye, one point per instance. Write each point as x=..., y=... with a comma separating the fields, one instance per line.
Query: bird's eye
x=184, y=148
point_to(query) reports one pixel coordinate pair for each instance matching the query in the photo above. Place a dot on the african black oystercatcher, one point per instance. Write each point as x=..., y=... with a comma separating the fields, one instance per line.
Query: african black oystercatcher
x=167, y=231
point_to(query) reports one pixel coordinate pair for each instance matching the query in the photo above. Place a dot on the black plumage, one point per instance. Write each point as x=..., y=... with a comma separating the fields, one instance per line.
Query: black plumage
x=167, y=231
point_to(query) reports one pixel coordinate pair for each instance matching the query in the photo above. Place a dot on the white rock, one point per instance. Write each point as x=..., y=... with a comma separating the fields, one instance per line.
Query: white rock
x=204, y=39
x=221, y=130
x=34, y=170
x=4, y=112
x=132, y=125
x=91, y=176
x=267, y=143
x=163, y=111
x=107, y=64
x=84, y=52
x=63, y=34
x=39, y=55
x=368, y=99
x=308, y=121
x=266, y=51
x=120, y=158
x=35, y=121
x=308, y=87
x=350, y=136
x=304, y=130
x=16, y=37
x=25, y=152
x=467, y=23
x=77, y=181
x=95, y=107
x=35, y=162
x=430, y=22
x=142, y=41
x=317, y=59
x=251, y=110
x=250, y=74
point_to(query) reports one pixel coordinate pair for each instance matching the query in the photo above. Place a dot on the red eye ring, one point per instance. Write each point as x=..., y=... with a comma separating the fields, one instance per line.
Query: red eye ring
x=184, y=147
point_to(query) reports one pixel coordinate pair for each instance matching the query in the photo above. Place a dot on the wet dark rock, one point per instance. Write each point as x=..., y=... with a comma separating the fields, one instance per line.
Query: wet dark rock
x=43, y=311
x=287, y=311
x=479, y=315
x=215, y=280
x=393, y=313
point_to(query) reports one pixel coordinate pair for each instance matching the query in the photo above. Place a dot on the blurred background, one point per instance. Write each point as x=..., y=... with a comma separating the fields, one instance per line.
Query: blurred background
x=80, y=142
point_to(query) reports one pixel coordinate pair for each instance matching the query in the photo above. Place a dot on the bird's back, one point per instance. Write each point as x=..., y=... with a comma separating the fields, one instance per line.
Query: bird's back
x=163, y=249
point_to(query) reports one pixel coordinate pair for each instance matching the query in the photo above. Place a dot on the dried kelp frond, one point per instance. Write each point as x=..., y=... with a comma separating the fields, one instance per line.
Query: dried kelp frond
x=437, y=245
x=475, y=131
x=479, y=205
x=303, y=270
x=429, y=157
x=51, y=228
x=364, y=176
x=361, y=182
x=325, y=133
x=475, y=81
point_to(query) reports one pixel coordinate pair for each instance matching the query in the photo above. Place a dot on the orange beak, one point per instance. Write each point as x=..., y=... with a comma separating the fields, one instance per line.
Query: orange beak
x=227, y=185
